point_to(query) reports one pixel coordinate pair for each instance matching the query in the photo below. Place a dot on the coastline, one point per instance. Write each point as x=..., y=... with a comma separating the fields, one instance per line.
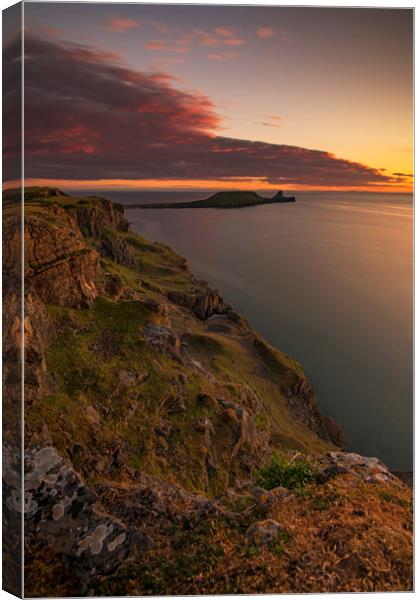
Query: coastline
x=158, y=404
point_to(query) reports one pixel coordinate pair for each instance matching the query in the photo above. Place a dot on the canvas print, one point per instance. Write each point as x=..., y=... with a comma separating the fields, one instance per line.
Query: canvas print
x=207, y=311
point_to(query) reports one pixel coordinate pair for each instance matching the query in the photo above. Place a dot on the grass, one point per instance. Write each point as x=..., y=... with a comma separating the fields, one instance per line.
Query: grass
x=262, y=422
x=93, y=345
x=280, y=547
x=321, y=503
x=386, y=496
x=280, y=472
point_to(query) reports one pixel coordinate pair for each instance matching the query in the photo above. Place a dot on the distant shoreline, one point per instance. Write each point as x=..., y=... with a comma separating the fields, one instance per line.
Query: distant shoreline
x=225, y=200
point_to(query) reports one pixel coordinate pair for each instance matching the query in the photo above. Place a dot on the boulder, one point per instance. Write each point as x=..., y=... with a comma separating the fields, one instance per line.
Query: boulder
x=163, y=338
x=264, y=533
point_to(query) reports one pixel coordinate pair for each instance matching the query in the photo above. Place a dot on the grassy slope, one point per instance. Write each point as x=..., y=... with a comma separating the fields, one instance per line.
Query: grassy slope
x=86, y=378
x=345, y=535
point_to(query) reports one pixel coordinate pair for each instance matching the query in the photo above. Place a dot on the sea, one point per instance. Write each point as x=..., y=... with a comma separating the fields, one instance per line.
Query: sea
x=327, y=280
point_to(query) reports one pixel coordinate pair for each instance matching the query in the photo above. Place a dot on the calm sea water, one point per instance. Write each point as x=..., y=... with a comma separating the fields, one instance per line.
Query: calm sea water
x=327, y=280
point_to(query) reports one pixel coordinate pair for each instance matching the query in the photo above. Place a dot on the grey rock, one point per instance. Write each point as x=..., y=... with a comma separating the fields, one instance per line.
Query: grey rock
x=264, y=533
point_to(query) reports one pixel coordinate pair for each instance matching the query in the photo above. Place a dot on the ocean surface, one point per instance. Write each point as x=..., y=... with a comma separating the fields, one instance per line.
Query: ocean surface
x=327, y=280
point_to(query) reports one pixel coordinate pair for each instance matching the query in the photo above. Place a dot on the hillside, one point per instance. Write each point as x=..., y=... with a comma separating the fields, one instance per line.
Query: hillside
x=169, y=448
x=231, y=199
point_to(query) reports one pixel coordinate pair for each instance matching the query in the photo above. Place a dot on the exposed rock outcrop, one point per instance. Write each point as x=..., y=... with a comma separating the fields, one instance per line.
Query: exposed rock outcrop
x=59, y=266
x=65, y=519
x=100, y=214
x=201, y=300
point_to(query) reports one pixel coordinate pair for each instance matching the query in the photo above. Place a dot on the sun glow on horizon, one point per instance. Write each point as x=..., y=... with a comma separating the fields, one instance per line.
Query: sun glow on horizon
x=185, y=185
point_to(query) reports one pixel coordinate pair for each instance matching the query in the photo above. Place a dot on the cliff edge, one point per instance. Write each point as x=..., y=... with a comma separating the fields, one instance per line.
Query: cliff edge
x=169, y=448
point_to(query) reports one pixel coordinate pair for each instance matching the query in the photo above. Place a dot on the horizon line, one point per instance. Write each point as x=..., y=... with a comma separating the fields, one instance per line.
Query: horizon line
x=169, y=185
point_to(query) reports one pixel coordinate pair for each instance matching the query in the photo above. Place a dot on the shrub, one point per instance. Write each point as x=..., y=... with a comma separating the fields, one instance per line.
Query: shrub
x=289, y=474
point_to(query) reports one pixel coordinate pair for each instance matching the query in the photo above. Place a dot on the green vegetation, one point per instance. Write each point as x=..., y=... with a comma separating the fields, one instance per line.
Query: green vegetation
x=283, y=539
x=292, y=475
x=386, y=496
x=321, y=503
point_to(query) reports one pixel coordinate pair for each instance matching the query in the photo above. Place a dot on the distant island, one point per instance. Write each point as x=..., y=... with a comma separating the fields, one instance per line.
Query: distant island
x=235, y=199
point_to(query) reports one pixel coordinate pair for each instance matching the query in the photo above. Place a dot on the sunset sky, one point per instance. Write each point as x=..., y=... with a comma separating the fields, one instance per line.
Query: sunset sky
x=142, y=96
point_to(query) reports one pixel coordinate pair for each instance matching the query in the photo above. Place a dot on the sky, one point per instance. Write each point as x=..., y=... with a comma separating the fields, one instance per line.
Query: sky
x=171, y=96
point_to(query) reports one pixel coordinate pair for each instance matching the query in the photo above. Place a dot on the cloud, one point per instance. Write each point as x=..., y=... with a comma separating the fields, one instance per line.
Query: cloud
x=265, y=33
x=120, y=24
x=403, y=174
x=88, y=116
x=215, y=56
x=162, y=46
x=220, y=56
x=177, y=41
x=224, y=32
x=159, y=26
x=273, y=121
x=219, y=36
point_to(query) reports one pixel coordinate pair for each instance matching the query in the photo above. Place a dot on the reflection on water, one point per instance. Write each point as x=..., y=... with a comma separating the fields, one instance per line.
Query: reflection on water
x=327, y=280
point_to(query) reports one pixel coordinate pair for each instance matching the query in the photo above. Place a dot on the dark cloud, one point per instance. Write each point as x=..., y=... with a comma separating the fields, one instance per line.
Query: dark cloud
x=88, y=116
x=403, y=174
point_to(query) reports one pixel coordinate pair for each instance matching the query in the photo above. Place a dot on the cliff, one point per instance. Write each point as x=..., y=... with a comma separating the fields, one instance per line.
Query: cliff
x=169, y=448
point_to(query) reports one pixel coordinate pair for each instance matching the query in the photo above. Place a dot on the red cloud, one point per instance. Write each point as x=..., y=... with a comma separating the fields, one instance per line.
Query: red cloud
x=158, y=45
x=265, y=33
x=89, y=117
x=120, y=24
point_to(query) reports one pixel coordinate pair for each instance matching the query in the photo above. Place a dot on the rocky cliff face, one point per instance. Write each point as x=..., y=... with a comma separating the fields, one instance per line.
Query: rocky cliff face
x=59, y=267
x=152, y=410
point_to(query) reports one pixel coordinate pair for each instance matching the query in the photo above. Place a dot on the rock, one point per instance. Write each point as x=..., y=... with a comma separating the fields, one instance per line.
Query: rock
x=207, y=400
x=64, y=518
x=298, y=393
x=183, y=378
x=59, y=267
x=264, y=533
x=404, y=476
x=101, y=214
x=130, y=378
x=370, y=469
x=206, y=426
x=93, y=416
x=335, y=432
x=201, y=300
x=163, y=428
x=174, y=405
x=163, y=338
x=114, y=286
x=39, y=333
x=160, y=308
x=114, y=246
x=270, y=498
x=250, y=399
x=330, y=472
x=244, y=424
x=104, y=345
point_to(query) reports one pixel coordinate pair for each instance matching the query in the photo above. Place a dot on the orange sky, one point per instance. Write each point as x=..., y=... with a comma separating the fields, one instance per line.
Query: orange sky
x=173, y=184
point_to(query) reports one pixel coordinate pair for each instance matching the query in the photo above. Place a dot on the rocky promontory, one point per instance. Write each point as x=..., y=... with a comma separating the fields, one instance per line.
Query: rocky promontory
x=170, y=449
x=230, y=199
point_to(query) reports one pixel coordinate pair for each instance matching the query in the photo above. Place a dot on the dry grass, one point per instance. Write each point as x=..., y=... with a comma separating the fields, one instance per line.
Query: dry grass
x=340, y=537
